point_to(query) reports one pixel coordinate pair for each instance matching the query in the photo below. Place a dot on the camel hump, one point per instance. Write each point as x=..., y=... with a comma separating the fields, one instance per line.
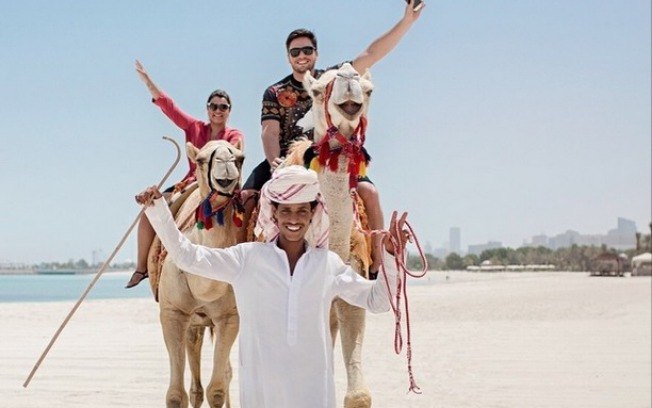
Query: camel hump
x=183, y=203
x=297, y=151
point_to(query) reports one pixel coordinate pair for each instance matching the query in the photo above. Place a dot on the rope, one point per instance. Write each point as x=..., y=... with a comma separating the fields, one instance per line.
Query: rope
x=400, y=256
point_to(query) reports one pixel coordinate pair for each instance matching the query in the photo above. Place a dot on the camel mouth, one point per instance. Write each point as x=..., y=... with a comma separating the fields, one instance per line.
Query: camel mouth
x=350, y=108
x=224, y=183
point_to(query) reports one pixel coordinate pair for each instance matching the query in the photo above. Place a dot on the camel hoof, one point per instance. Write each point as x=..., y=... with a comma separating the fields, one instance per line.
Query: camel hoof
x=176, y=401
x=217, y=399
x=196, y=398
x=357, y=399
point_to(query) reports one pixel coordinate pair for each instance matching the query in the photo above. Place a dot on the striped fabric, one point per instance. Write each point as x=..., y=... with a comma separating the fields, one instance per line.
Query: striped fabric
x=293, y=185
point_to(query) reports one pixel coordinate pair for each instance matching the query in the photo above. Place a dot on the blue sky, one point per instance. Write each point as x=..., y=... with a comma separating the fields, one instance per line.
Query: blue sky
x=504, y=118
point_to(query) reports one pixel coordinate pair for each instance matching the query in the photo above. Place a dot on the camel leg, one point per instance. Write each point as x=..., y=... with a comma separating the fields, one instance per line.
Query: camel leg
x=229, y=377
x=175, y=324
x=226, y=328
x=352, y=326
x=194, y=340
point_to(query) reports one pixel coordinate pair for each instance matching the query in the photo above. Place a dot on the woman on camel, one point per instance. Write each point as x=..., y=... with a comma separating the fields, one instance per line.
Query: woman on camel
x=218, y=108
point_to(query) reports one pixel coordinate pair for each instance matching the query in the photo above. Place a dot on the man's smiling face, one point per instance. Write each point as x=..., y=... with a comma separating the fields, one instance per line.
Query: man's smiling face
x=293, y=220
x=302, y=63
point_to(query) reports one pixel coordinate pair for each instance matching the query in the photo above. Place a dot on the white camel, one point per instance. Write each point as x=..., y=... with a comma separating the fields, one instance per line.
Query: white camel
x=340, y=103
x=189, y=303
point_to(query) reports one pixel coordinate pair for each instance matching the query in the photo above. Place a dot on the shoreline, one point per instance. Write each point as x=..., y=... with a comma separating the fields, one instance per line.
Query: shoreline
x=34, y=271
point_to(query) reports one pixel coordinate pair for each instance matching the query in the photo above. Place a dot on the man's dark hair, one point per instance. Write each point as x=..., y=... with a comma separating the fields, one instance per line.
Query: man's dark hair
x=222, y=94
x=301, y=32
x=313, y=204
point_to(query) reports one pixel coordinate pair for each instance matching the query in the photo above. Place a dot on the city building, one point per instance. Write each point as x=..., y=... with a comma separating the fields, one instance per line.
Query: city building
x=622, y=237
x=455, y=239
x=478, y=249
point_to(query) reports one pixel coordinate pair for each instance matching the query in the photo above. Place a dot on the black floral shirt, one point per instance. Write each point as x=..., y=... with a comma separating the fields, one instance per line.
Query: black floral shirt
x=287, y=102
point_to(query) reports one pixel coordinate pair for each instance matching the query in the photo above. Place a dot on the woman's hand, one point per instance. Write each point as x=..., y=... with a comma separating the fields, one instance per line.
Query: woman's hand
x=144, y=76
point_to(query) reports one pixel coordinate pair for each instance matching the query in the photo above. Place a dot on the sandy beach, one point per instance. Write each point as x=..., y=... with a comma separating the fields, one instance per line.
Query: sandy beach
x=479, y=340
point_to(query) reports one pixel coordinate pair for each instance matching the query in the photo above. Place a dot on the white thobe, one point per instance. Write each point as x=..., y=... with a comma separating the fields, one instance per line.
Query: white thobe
x=286, y=353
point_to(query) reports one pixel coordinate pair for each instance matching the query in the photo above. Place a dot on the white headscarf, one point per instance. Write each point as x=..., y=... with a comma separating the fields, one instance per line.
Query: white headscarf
x=293, y=185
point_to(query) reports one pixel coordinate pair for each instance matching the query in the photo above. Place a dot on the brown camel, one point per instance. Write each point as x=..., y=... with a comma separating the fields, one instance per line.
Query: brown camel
x=190, y=303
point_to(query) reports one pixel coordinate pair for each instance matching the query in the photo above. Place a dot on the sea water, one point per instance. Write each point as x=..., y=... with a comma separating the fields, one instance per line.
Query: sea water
x=51, y=288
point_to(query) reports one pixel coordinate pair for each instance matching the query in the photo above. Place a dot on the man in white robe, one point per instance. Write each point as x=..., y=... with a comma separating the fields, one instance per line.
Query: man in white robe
x=283, y=288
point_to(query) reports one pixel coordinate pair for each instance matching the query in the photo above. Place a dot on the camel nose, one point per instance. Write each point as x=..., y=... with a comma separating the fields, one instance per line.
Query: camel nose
x=348, y=76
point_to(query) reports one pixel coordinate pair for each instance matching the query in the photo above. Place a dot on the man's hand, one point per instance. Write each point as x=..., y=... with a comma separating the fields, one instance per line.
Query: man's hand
x=410, y=13
x=277, y=162
x=148, y=196
x=380, y=47
x=398, y=233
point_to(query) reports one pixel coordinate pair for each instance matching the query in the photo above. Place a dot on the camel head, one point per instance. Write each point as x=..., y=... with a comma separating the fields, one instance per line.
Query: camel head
x=345, y=103
x=219, y=167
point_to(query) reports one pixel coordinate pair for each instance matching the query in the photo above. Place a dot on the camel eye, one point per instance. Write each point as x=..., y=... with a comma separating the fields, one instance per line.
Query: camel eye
x=316, y=93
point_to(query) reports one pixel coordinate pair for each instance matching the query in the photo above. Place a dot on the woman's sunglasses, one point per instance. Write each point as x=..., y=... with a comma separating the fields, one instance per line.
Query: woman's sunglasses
x=294, y=52
x=221, y=106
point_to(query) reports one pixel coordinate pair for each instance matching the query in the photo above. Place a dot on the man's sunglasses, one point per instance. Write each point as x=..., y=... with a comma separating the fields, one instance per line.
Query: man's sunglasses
x=221, y=106
x=294, y=52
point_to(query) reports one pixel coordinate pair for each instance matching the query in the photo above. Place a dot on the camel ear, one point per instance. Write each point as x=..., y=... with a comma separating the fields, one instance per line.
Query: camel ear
x=367, y=75
x=192, y=152
x=365, y=82
x=239, y=144
x=308, y=81
x=240, y=159
x=237, y=152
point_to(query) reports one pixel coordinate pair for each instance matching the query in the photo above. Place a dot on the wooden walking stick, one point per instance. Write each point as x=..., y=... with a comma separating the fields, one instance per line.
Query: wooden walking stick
x=102, y=268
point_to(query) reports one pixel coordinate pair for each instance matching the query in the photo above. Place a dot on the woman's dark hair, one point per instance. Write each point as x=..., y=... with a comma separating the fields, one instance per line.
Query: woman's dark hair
x=301, y=32
x=222, y=94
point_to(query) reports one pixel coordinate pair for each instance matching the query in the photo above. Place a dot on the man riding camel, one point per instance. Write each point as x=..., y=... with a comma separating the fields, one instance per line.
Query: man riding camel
x=286, y=102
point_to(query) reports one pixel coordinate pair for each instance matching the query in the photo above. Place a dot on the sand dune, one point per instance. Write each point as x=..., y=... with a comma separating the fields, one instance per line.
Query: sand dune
x=479, y=340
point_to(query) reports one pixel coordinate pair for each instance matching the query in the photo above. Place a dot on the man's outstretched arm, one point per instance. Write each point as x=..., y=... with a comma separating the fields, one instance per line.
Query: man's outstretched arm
x=378, y=49
x=212, y=263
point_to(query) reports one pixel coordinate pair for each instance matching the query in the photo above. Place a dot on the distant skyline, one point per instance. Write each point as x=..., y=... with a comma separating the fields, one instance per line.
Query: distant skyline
x=506, y=119
x=624, y=233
